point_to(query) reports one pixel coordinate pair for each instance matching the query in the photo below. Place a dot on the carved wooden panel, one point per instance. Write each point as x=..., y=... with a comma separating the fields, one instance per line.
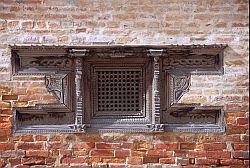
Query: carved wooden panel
x=118, y=88
x=118, y=94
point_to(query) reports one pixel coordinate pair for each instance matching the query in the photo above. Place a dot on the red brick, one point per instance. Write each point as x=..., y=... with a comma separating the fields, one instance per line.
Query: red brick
x=215, y=146
x=55, y=138
x=14, y=161
x=122, y=153
x=9, y=97
x=218, y=154
x=167, y=161
x=6, y=146
x=12, y=154
x=117, y=166
x=27, y=138
x=58, y=146
x=241, y=155
x=73, y=160
x=6, y=125
x=228, y=162
x=246, y=162
x=243, y=121
x=243, y=147
x=33, y=161
x=135, y=160
x=179, y=153
x=138, y=153
x=80, y=153
x=196, y=154
x=104, y=146
x=113, y=160
x=205, y=161
x=30, y=146
x=245, y=138
x=102, y=153
x=167, y=146
x=50, y=161
x=187, y=146
x=2, y=163
x=150, y=160
x=40, y=153
x=127, y=145
x=27, y=24
x=5, y=105
x=5, y=132
x=182, y=161
x=41, y=138
x=159, y=153
x=86, y=145
x=139, y=145
x=5, y=118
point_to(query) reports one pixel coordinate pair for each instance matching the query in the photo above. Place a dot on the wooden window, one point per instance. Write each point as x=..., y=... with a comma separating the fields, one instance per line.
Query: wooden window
x=118, y=88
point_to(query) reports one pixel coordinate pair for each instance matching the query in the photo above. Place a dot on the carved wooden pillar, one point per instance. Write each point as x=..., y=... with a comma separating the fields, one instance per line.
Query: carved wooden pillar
x=79, y=119
x=156, y=113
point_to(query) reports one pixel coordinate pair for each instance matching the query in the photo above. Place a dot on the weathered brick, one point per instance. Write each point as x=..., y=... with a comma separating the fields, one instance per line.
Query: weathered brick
x=135, y=160
x=167, y=146
x=33, y=161
x=80, y=153
x=187, y=146
x=86, y=145
x=102, y=153
x=73, y=160
x=6, y=146
x=104, y=146
x=12, y=154
x=228, y=162
x=182, y=162
x=215, y=146
x=30, y=146
x=167, y=161
x=159, y=153
x=243, y=121
x=241, y=155
x=41, y=138
x=27, y=138
x=150, y=160
x=243, y=147
x=122, y=153
x=40, y=153
x=14, y=162
x=2, y=163
x=113, y=160
x=9, y=97
x=57, y=145
x=205, y=161
x=138, y=153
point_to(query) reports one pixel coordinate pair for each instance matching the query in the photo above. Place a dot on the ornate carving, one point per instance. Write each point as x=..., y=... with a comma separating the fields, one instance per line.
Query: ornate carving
x=194, y=64
x=181, y=86
x=192, y=118
x=156, y=84
x=118, y=93
x=166, y=69
x=156, y=127
x=55, y=62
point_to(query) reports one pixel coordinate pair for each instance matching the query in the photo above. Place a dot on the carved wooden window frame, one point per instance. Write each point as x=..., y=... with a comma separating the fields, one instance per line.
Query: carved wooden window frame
x=171, y=68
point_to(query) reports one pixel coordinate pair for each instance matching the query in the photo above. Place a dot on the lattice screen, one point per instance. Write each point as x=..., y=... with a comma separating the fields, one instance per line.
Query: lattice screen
x=118, y=91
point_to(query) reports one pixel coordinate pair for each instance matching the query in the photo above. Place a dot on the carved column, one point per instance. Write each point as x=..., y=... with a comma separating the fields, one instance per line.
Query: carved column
x=156, y=114
x=79, y=120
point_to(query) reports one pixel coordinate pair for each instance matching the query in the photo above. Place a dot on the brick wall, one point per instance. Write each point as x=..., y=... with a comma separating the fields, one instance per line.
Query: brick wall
x=130, y=22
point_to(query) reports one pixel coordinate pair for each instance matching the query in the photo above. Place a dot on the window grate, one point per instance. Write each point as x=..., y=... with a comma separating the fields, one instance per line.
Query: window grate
x=118, y=91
